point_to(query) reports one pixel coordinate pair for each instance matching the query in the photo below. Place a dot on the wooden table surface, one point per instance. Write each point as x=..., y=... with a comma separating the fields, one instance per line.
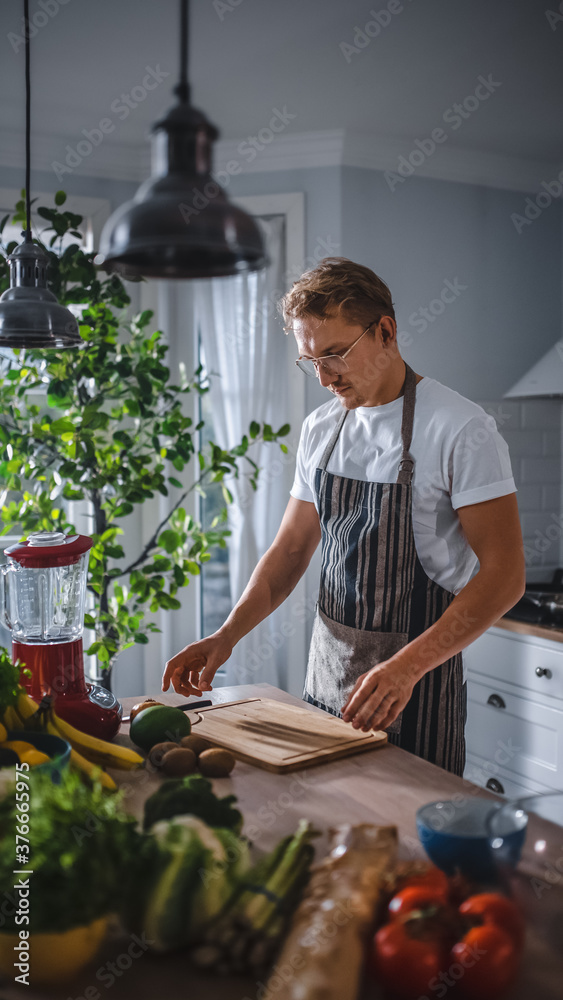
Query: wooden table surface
x=383, y=786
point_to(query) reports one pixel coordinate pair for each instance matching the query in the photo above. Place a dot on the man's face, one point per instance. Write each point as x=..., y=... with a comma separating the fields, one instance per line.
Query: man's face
x=370, y=362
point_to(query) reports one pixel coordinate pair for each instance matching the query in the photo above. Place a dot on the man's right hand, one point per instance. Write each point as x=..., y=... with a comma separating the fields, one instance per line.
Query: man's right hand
x=192, y=670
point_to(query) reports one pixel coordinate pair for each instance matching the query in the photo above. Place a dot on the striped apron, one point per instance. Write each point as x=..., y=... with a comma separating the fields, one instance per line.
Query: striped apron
x=375, y=597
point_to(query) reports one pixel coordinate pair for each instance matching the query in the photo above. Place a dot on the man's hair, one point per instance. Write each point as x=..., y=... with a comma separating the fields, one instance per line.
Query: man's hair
x=338, y=287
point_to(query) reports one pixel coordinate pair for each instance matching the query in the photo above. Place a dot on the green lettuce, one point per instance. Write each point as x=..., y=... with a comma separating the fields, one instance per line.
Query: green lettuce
x=82, y=845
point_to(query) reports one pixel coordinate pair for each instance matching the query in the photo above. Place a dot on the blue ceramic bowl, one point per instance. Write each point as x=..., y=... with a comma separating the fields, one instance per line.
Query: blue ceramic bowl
x=472, y=835
x=57, y=749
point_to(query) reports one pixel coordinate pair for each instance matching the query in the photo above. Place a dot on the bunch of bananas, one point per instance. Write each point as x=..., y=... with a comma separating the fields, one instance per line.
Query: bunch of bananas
x=88, y=753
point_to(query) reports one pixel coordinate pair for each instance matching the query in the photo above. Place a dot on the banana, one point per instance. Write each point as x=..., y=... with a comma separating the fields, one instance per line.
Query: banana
x=97, y=751
x=26, y=706
x=12, y=719
x=92, y=770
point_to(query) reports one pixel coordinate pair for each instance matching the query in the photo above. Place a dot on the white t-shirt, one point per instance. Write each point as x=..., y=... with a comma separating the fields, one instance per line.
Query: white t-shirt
x=459, y=459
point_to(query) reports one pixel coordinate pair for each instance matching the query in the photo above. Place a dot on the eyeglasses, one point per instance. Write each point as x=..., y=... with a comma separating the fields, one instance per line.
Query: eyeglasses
x=331, y=364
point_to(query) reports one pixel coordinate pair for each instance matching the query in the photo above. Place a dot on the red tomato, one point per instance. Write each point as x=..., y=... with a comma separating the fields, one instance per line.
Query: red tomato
x=415, y=897
x=484, y=963
x=430, y=878
x=406, y=965
x=490, y=908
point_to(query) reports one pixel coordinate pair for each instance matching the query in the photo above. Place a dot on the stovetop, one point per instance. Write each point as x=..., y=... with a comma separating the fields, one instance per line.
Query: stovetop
x=541, y=604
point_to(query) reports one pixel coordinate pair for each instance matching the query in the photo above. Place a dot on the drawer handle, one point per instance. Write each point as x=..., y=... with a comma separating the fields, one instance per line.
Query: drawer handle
x=496, y=701
x=495, y=786
x=544, y=672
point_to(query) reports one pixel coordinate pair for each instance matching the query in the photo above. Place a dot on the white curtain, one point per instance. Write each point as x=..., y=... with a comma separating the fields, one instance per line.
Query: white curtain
x=244, y=344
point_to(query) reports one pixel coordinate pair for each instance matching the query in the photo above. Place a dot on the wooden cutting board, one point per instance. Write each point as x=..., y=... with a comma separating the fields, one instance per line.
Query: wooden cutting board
x=280, y=737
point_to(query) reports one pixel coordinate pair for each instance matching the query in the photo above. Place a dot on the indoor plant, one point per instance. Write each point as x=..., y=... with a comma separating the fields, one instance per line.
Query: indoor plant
x=111, y=421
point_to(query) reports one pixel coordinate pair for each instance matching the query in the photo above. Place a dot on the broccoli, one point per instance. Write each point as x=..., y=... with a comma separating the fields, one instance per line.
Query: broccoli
x=192, y=795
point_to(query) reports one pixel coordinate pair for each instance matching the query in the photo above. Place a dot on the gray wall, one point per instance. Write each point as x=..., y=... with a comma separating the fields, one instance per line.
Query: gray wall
x=76, y=183
x=428, y=231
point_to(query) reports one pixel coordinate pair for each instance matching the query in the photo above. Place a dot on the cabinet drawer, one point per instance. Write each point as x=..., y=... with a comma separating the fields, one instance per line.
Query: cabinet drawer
x=498, y=780
x=517, y=661
x=516, y=732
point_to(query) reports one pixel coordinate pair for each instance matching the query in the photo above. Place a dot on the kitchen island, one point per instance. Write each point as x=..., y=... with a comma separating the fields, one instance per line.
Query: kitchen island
x=384, y=786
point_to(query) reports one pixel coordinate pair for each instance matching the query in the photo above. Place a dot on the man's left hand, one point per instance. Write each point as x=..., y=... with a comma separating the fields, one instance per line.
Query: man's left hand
x=378, y=696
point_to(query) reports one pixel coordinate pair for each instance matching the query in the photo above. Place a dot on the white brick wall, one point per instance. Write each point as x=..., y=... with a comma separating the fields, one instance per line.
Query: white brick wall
x=532, y=429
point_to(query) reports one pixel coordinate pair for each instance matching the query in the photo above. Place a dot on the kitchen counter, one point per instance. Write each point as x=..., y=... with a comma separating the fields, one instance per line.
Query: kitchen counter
x=528, y=628
x=382, y=786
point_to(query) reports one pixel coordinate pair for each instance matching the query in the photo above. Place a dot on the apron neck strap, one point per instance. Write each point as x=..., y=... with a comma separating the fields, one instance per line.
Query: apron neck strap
x=406, y=465
x=333, y=439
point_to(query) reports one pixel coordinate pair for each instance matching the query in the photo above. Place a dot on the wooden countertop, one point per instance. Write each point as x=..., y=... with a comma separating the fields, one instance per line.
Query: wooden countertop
x=527, y=628
x=383, y=786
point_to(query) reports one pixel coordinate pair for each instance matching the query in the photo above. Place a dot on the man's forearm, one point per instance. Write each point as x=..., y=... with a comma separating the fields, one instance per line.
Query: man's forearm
x=272, y=581
x=478, y=606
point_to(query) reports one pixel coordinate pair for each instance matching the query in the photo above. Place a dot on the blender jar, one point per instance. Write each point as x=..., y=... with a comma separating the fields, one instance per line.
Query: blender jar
x=43, y=599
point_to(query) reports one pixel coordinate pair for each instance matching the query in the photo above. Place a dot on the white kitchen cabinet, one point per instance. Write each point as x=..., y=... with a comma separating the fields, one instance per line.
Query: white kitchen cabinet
x=515, y=716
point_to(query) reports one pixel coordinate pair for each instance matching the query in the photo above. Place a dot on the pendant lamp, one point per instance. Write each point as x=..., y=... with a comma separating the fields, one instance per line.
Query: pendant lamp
x=30, y=315
x=180, y=223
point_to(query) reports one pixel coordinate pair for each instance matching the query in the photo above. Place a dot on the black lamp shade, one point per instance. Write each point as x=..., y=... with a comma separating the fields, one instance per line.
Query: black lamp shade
x=30, y=315
x=180, y=223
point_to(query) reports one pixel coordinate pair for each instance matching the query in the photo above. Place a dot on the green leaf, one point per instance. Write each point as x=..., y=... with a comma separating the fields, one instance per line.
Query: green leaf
x=60, y=197
x=141, y=639
x=62, y=426
x=169, y=540
x=144, y=318
x=283, y=431
x=254, y=429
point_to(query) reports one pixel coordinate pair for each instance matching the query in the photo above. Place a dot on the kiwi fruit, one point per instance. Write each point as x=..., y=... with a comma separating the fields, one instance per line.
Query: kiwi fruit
x=216, y=763
x=178, y=762
x=158, y=750
x=196, y=743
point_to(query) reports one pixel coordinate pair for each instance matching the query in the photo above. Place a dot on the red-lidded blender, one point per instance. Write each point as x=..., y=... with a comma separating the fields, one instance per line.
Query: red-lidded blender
x=42, y=596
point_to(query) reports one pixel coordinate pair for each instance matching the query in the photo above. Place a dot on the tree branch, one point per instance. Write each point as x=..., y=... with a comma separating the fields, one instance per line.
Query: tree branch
x=151, y=544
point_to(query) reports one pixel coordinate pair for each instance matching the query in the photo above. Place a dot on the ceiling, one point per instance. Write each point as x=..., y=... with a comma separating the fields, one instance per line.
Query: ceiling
x=249, y=57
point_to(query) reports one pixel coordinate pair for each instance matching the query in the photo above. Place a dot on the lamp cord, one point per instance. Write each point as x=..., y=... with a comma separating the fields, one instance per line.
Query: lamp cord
x=27, y=232
x=182, y=89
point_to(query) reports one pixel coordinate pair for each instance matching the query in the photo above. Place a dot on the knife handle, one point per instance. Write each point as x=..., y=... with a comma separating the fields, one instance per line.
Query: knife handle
x=194, y=704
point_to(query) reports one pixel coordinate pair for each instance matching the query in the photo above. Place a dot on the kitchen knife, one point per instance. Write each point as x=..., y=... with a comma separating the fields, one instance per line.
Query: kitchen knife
x=187, y=705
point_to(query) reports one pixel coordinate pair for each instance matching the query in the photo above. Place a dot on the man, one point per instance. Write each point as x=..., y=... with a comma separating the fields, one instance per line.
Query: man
x=409, y=486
